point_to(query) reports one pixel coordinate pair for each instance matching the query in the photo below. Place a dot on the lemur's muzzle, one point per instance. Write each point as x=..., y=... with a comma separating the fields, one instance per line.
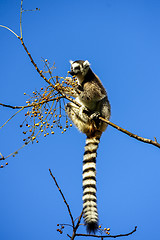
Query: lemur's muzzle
x=71, y=73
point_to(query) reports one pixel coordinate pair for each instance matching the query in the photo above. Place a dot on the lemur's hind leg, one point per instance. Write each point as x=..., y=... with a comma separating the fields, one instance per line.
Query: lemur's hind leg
x=79, y=117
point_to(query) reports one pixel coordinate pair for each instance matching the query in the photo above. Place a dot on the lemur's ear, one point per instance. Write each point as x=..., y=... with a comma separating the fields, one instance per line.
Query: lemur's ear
x=86, y=64
x=71, y=62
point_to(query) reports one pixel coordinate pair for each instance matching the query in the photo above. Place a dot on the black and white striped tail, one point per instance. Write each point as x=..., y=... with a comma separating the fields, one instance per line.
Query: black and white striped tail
x=89, y=184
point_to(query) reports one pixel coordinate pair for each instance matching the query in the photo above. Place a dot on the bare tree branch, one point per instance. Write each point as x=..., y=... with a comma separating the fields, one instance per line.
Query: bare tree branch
x=30, y=105
x=69, y=211
x=76, y=227
x=145, y=140
x=107, y=236
x=9, y=30
x=21, y=10
x=12, y=117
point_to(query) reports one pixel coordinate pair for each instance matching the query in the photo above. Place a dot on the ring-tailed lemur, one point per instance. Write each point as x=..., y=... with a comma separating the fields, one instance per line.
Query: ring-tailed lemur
x=92, y=97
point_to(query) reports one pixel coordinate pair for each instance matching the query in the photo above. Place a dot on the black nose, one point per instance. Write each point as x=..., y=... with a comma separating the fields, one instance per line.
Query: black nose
x=71, y=73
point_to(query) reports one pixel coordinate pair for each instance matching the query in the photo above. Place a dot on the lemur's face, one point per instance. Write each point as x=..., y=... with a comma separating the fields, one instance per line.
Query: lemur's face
x=79, y=68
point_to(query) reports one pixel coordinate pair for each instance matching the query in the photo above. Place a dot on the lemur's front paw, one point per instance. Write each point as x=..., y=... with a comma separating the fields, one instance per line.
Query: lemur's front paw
x=78, y=89
x=84, y=110
x=95, y=116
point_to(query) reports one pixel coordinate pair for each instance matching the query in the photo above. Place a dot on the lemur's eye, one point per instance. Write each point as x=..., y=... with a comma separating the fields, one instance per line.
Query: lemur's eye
x=77, y=68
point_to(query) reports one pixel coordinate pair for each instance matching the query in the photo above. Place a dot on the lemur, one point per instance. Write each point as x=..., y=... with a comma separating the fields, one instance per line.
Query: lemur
x=92, y=97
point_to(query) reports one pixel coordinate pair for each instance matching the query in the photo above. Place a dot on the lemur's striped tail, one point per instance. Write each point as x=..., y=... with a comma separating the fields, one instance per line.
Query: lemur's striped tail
x=89, y=184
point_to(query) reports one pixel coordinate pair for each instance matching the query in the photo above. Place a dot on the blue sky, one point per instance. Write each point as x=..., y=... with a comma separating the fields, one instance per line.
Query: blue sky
x=121, y=41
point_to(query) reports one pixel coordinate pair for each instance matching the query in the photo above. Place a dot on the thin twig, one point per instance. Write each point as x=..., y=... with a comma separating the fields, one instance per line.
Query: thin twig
x=69, y=211
x=76, y=227
x=9, y=30
x=2, y=157
x=30, y=105
x=145, y=140
x=65, y=224
x=107, y=236
x=16, y=152
x=12, y=117
x=10, y=106
x=79, y=220
x=21, y=10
